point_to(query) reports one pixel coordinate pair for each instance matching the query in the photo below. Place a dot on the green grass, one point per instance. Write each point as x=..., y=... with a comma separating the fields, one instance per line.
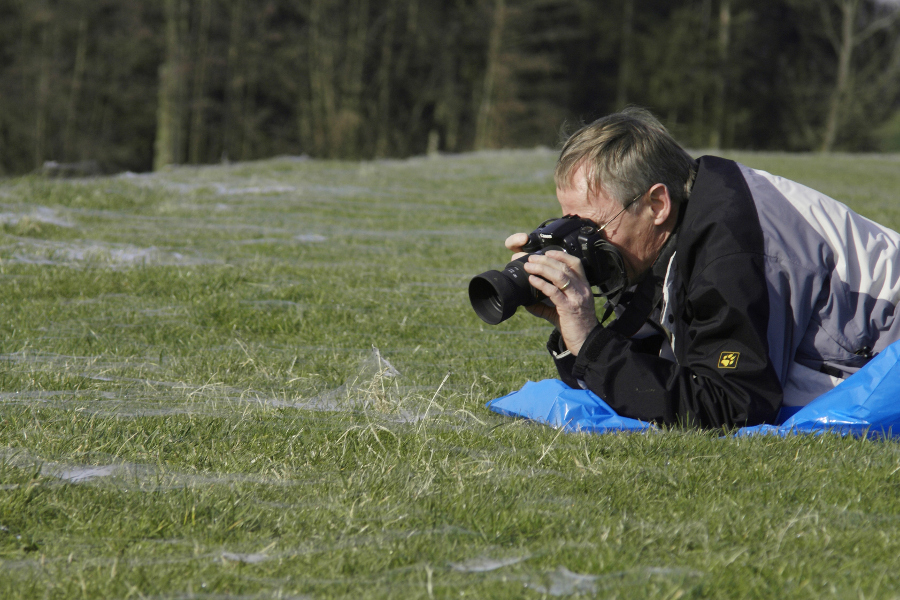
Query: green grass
x=191, y=405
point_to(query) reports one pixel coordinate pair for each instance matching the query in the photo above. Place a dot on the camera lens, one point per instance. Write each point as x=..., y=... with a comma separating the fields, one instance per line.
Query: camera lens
x=495, y=295
x=486, y=294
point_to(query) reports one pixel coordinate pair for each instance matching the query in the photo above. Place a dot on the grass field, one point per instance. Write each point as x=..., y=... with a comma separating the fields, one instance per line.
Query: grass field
x=265, y=381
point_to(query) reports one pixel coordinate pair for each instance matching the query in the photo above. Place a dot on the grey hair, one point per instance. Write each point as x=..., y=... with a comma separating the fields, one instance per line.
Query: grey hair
x=626, y=153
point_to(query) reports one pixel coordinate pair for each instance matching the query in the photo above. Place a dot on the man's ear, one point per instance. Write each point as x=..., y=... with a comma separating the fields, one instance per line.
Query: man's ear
x=661, y=204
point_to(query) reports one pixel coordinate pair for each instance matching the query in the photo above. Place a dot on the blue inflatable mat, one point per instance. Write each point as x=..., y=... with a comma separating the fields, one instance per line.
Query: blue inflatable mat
x=865, y=404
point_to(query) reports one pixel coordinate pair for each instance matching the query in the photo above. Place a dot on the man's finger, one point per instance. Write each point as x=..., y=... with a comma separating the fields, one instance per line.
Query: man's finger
x=516, y=241
x=556, y=271
x=573, y=262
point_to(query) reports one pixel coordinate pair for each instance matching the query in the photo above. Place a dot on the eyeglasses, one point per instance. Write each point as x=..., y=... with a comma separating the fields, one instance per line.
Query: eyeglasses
x=624, y=208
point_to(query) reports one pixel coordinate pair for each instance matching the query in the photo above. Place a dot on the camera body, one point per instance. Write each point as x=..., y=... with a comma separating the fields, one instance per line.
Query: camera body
x=495, y=295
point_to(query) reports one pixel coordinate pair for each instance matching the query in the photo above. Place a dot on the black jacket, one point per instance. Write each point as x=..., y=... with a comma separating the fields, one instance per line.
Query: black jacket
x=746, y=303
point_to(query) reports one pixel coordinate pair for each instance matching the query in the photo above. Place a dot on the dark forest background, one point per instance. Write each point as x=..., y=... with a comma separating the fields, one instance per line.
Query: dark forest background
x=141, y=84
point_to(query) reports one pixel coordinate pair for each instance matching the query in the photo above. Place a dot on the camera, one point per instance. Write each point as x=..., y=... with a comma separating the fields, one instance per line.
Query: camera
x=495, y=295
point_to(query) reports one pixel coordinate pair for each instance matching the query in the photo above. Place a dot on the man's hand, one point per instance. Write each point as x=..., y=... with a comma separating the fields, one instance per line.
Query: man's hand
x=561, y=278
x=515, y=242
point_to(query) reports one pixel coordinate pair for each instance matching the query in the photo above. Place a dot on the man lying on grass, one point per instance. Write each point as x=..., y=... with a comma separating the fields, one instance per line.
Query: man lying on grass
x=751, y=292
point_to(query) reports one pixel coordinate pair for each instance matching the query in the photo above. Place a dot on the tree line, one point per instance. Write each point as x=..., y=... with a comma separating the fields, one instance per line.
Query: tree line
x=141, y=84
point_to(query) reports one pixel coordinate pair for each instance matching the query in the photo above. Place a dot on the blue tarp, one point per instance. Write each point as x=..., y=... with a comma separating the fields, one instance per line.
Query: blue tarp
x=553, y=402
x=865, y=404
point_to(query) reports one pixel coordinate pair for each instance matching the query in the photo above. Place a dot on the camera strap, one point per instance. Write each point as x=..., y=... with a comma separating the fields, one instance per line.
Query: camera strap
x=640, y=301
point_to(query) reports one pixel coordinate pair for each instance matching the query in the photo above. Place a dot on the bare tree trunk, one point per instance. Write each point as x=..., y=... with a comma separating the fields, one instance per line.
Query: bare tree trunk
x=447, y=108
x=842, y=82
x=889, y=78
x=168, y=115
x=700, y=132
x=717, y=135
x=484, y=134
x=249, y=122
x=42, y=95
x=845, y=94
x=415, y=39
x=181, y=133
x=351, y=90
x=385, y=68
x=231, y=134
x=198, y=101
x=78, y=70
x=626, y=52
x=251, y=115
x=322, y=50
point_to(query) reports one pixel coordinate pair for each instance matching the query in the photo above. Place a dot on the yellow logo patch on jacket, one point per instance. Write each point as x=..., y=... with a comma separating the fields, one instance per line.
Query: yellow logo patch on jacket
x=729, y=360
